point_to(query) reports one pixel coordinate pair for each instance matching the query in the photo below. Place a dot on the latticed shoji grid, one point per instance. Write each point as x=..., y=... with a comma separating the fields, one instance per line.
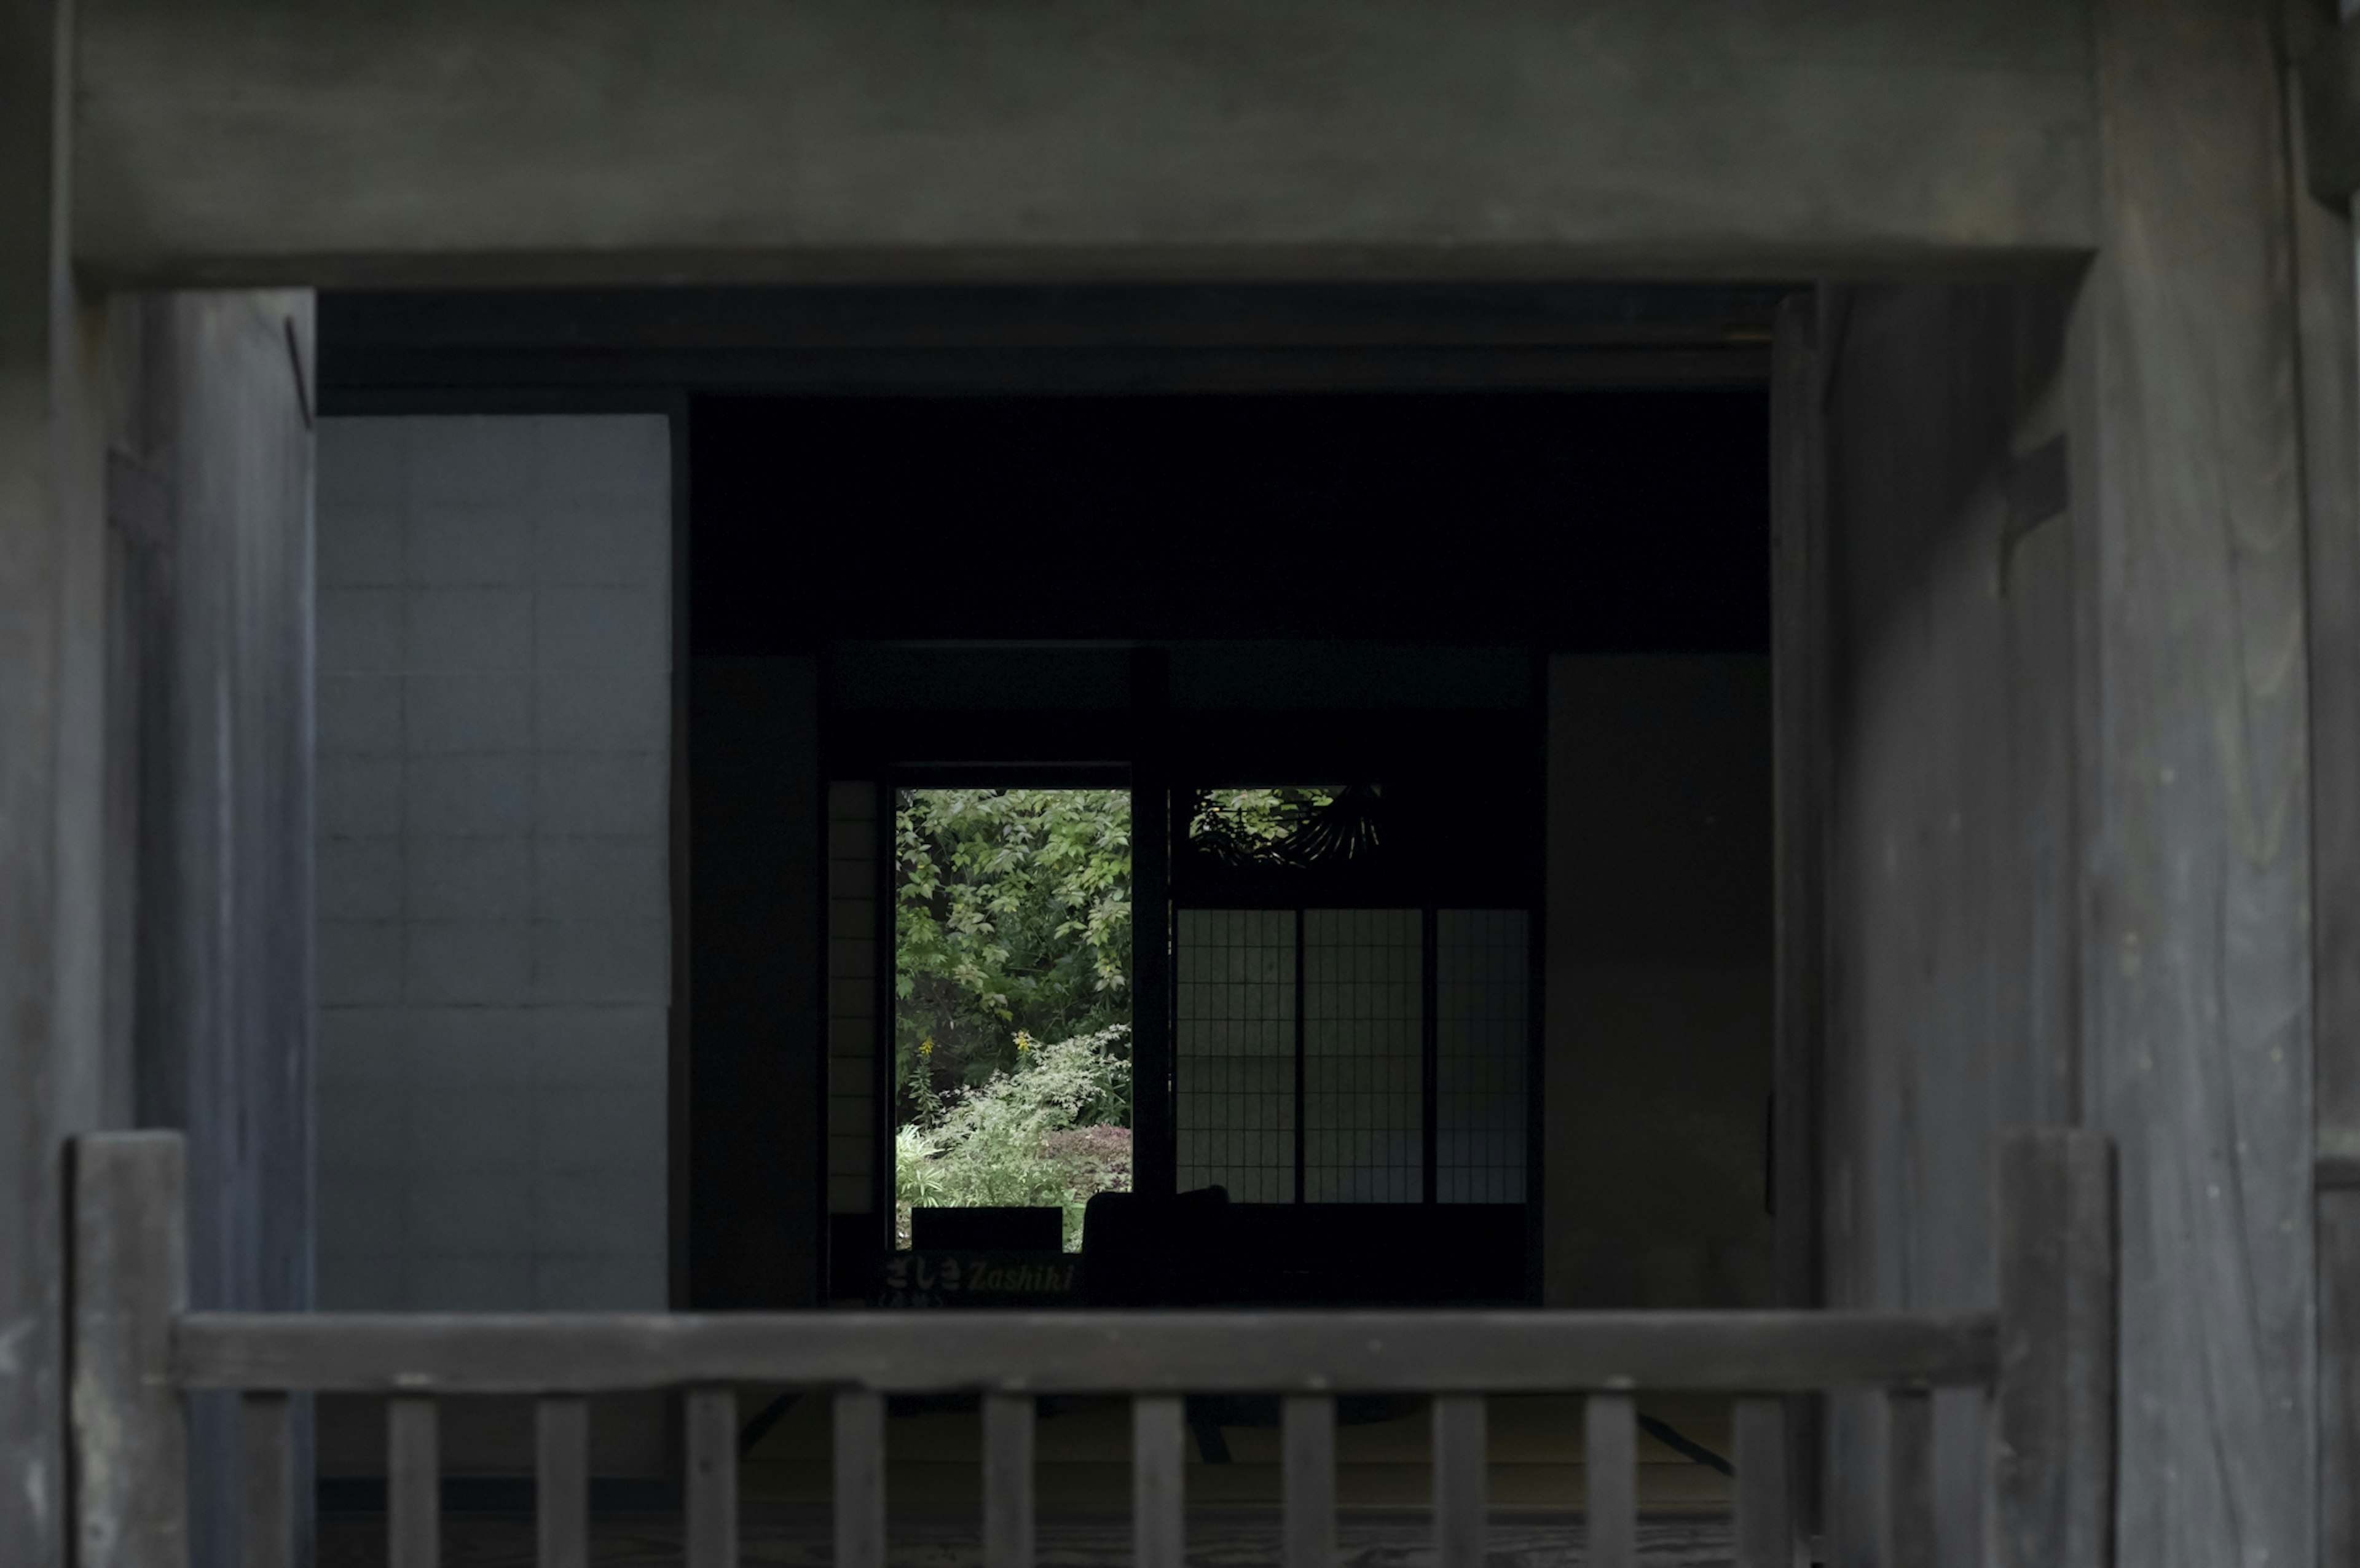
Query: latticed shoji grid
x=1234, y=1044
x=1364, y=1067
x=1481, y=972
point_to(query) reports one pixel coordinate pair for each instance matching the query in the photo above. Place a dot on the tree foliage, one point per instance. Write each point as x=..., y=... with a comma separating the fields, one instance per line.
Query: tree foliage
x=1013, y=920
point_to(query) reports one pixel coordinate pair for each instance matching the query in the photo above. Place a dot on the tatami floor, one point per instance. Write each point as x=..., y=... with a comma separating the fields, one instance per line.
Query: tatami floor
x=798, y=1537
x=1082, y=1450
x=1083, y=1483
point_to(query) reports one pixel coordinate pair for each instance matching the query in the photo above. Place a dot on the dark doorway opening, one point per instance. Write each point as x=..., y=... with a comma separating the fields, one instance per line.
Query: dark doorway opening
x=1216, y=593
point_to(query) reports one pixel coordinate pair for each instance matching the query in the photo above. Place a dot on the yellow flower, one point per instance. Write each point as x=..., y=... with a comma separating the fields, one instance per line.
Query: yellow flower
x=925, y=1048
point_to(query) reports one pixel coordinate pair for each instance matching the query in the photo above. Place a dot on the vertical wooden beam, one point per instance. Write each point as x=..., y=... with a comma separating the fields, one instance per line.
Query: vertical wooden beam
x=268, y=1528
x=223, y=1004
x=1458, y=1462
x=1909, y=1479
x=1154, y=1152
x=1800, y=612
x=756, y=1045
x=52, y=773
x=1158, y=1444
x=561, y=1481
x=1307, y=1472
x=413, y=1483
x=130, y=1279
x=1763, y=1526
x=2327, y=344
x=1008, y=1481
x=860, y=1479
x=1609, y=1463
x=711, y=1423
x=2196, y=973
x=2053, y=1413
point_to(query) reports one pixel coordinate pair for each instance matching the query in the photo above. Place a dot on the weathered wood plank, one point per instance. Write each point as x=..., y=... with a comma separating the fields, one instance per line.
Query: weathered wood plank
x=219, y=628
x=1909, y=1479
x=712, y=1480
x=1447, y=1352
x=1158, y=1445
x=1764, y=1534
x=267, y=1441
x=2197, y=975
x=1954, y=897
x=413, y=1483
x=130, y=1274
x=2330, y=365
x=2339, y=1378
x=1799, y=697
x=1459, y=1455
x=2053, y=1456
x=1307, y=1436
x=1008, y=1480
x=860, y=1479
x=1609, y=1463
x=561, y=1481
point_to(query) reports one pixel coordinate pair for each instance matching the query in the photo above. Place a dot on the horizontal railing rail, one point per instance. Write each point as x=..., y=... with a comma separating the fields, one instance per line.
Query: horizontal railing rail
x=2044, y=1359
x=1087, y=1352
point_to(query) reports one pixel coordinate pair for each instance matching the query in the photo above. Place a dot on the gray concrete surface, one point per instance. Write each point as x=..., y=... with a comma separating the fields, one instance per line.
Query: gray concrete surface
x=635, y=140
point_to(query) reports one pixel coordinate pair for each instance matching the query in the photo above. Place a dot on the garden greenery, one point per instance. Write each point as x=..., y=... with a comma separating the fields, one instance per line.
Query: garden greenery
x=1012, y=920
x=1037, y=1133
x=1012, y=926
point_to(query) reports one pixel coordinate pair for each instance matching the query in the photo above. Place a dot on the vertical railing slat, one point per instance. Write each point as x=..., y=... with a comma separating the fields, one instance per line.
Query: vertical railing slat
x=1308, y=1437
x=130, y=1279
x=711, y=1423
x=1910, y=1486
x=1609, y=1461
x=2053, y=1413
x=1157, y=1507
x=413, y=1483
x=1008, y=1481
x=1763, y=1534
x=1458, y=1458
x=561, y=1481
x=268, y=1439
x=860, y=1479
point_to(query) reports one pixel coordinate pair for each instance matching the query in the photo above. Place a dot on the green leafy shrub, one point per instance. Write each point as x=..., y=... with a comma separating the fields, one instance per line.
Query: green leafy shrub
x=1011, y=919
x=1036, y=1134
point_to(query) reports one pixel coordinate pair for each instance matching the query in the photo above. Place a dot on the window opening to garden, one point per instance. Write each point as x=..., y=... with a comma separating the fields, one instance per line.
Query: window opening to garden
x=1011, y=1001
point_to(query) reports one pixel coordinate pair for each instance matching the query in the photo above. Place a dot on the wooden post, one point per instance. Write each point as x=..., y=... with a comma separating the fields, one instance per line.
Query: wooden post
x=1154, y=1152
x=2053, y=1427
x=1158, y=1502
x=2195, y=978
x=1763, y=1528
x=1008, y=1480
x=1308, y=1478
x=860, y=1478
x=1459, y=1459
x=130, y=1280
x=561, y=1481
x=1799, y=763
x=1609, y=1463
x=711, y=1481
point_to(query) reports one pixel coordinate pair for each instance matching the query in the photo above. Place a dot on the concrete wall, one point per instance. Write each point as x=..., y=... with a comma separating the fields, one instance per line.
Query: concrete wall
x=494, y=754
x=1657, y=935
x=1198, y=137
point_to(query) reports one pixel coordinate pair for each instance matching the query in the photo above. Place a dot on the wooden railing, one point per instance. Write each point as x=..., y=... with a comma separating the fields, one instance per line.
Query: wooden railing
x=2045, y=1358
